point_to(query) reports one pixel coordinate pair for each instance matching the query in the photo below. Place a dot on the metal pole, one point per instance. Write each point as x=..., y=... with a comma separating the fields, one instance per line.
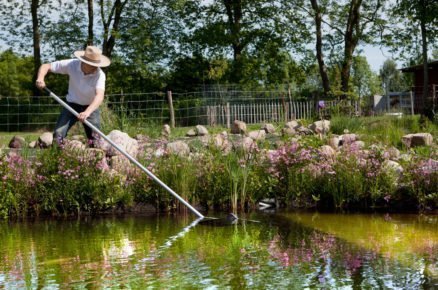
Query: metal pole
x=132, y=159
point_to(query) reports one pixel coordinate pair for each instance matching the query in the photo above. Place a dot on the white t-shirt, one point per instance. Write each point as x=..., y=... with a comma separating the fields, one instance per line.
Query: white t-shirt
x=81, y=87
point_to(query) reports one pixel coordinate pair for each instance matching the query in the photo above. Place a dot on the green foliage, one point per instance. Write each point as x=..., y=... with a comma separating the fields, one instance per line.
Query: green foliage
x=392, y=78
x=364, y=81
x=15, y=79
x=182, y=45
x=421, y=179
x=405, y=35
x=386, y=130
x=63, y=181
x=178, y=174
x=74, y=182
x=58, y=182
x=340, y=123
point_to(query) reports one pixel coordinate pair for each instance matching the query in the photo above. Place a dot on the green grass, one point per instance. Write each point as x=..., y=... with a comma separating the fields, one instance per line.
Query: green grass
x=5, y=137
x=386, y=130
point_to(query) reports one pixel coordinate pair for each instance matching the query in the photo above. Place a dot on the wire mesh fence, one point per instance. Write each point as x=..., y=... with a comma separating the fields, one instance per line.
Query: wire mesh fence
x=181, y=109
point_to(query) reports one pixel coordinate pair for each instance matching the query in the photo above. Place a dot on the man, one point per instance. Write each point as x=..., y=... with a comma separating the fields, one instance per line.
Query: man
x=86, y=89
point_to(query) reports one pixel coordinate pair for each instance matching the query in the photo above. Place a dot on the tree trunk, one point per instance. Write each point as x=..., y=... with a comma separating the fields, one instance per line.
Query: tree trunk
x=113, y=18
x=234, y=14
x=426, y=106
x=351, y=38
x=319, y=54
x=90, y=38
x=36, y=43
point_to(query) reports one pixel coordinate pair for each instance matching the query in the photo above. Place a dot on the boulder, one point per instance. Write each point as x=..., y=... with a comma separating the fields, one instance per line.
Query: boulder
x=357, y=145
x=94, y=154
x=292, y=124
x=179, y=148
x=238, y=127
x=287, y=131
x=269, y=128
x=191, y=133
x=257, y=135
x=128, y=144
x=74, y=145
x=165, y=132
x=245, y=143
x=418, y=139
x=45, y=140
x=334, y=142
x=81, y=138
x=320, y=127
x=17, y=142
x=221, y=141
x=160, y=152
x=392, y=153
x=122, y=165
x=392, y=166
x=201, y=130
x=349, y=138
x=304, y=131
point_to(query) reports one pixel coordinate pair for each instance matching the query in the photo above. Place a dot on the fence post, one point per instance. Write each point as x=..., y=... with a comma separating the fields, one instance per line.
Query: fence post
x=172, y=112
x=283, y=104
x=227, y=113
x=412, y=102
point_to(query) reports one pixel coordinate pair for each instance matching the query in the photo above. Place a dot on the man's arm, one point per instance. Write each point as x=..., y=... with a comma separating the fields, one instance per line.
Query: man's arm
x=98, y=99
x=42, y=72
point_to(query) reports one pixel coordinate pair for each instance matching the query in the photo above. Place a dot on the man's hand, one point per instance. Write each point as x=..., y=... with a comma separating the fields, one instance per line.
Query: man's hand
x=83, y=116
x=42, y=72
x=40, y=84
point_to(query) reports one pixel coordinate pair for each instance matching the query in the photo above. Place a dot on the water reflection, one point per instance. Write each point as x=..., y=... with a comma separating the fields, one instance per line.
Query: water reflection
x=289, y=250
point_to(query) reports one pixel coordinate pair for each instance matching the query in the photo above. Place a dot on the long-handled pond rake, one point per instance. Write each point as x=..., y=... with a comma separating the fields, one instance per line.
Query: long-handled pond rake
x=132, y=159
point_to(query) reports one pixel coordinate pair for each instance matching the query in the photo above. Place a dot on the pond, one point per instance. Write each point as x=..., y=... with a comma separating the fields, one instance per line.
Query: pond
x=283, y=250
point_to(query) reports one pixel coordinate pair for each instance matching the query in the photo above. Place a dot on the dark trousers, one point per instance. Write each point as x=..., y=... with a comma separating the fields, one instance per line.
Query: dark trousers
x=66, y=120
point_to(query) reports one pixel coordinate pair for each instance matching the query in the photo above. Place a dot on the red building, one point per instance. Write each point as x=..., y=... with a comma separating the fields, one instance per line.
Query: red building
x=424, y=102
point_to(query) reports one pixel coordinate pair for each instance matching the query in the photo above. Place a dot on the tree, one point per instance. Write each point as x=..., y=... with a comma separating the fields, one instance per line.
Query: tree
x=317, y=15
x=58, y=36
x=240, y=29
x=14, y=77
x=346, y=24
x=35, y=4
x=90, y=38
x=111, y=16
x=26, y=22
x=416, y=19
x=364, y=81
x=392, y=78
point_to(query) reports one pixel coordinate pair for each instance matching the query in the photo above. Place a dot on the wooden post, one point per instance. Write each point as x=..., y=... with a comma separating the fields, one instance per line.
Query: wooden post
x=283, y=103
x=171, y=111
x=412, y=102
x=228, y=115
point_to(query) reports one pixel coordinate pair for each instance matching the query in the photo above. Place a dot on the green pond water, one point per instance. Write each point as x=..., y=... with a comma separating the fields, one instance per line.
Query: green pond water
x=284, y=250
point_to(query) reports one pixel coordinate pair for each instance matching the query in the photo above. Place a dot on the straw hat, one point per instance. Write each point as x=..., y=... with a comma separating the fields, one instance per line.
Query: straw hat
x=93, y=56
